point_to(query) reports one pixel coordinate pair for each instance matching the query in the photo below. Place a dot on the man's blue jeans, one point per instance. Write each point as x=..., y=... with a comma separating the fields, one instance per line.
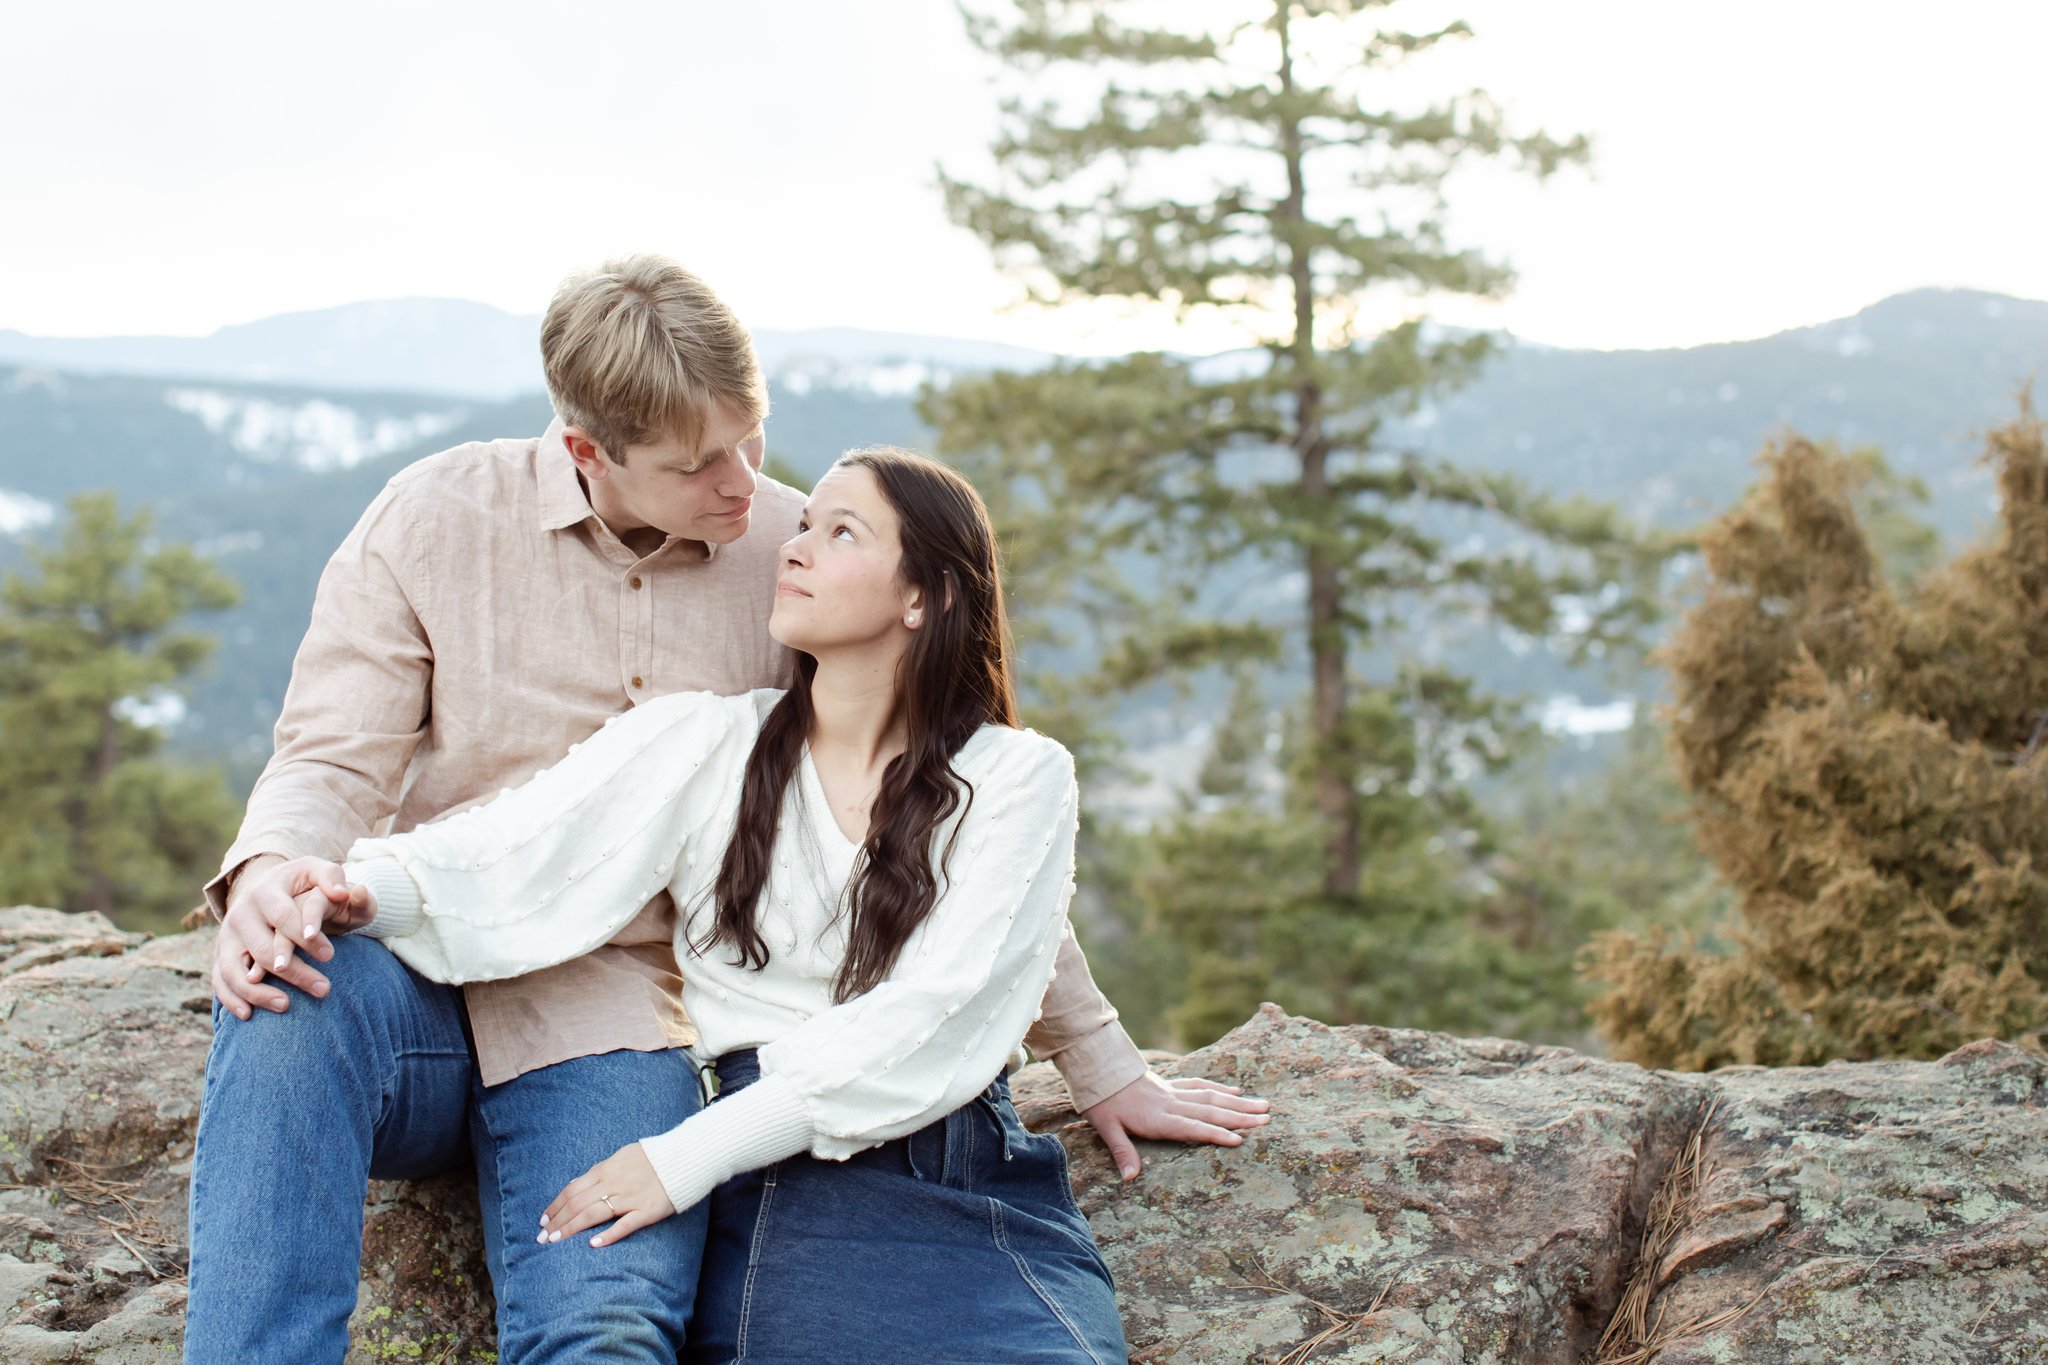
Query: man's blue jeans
x=301, y=1109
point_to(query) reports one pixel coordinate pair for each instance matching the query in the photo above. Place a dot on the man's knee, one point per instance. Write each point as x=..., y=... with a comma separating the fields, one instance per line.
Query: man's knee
x=635, y=1296
x=368, y=988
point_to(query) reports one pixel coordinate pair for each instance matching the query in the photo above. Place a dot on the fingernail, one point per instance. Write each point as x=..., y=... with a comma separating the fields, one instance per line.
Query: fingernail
x=319, y=990
x=597, y=1241
x=543, y=1220
x=542, y=1238
x=1130, y=1172
x=279, y=964
x=554, y=1237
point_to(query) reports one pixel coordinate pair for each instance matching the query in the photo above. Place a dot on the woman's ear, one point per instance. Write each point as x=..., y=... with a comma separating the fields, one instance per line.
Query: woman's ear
x=913, y=608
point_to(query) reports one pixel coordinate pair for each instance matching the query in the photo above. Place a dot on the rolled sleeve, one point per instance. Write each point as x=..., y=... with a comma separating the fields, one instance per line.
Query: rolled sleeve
x=1079, y=1032
x=357, y=704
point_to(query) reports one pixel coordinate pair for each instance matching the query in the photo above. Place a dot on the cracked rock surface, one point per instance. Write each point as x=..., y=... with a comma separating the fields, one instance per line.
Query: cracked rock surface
x=1417, y=1197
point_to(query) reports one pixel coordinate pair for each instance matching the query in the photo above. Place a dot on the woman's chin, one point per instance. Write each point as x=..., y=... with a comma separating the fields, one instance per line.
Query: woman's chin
x=784, y=629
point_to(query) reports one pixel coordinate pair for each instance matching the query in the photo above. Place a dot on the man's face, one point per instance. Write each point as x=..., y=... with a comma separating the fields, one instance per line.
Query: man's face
x=702, y=492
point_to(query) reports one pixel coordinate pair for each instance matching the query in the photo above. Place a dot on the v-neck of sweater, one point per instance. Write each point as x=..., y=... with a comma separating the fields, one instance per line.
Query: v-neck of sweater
x=841, y=848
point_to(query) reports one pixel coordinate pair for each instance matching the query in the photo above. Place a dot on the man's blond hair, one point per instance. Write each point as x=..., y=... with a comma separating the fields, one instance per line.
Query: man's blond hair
x=640, y=350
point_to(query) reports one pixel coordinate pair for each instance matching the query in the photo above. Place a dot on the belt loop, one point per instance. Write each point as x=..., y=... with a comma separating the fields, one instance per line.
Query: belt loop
x=707, y=1077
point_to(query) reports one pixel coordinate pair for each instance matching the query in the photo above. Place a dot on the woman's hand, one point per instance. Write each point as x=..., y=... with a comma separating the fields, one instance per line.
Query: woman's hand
x=622, y=1187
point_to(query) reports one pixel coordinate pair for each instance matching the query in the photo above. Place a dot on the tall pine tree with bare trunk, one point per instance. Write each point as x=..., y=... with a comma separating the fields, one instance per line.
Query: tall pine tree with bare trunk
x=1178, y=515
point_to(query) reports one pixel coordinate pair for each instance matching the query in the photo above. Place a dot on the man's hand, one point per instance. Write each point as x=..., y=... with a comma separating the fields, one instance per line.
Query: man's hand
x=1187, y=1109
x=622, y=1187
x=277, y=909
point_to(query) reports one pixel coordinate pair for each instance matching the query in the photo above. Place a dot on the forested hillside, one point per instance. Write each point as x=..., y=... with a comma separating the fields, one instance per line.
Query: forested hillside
x=268, y=478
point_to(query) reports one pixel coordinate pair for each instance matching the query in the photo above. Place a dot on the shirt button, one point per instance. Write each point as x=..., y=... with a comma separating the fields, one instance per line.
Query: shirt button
x=634, y=582
x=637, y=682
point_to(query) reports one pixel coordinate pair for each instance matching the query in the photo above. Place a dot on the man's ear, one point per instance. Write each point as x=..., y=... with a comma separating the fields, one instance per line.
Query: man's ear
x=591, y=460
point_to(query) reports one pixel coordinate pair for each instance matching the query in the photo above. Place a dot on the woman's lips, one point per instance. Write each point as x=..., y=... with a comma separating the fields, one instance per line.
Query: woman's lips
x=789, y=590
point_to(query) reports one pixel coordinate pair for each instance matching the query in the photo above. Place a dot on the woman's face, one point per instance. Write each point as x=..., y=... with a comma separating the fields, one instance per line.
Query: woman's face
x=839, y=587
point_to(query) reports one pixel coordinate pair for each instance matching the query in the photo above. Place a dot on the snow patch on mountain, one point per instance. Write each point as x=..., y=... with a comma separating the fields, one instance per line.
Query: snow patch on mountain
x=315, y=435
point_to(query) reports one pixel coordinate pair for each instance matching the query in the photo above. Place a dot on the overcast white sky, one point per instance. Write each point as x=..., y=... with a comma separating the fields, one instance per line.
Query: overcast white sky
x=1759, y=164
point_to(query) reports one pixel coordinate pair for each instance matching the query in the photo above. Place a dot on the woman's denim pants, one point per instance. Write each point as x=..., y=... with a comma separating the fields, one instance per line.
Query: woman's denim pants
x=958, y=1243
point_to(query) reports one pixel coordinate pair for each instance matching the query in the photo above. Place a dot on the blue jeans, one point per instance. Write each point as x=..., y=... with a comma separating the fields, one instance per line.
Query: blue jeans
x=959, y=1243
x=301, y=1109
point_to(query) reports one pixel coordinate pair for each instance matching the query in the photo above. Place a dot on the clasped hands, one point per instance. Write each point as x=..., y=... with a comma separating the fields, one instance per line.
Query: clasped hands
x=281, y=908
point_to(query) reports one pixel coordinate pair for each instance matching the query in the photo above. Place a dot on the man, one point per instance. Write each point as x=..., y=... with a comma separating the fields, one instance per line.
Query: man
x=495, y=605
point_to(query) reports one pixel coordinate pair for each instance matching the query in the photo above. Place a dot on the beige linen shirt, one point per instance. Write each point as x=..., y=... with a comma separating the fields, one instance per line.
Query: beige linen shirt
x=479, y=620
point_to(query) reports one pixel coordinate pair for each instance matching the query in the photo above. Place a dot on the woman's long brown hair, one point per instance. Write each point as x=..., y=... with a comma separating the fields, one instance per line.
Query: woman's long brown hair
x=953, y=679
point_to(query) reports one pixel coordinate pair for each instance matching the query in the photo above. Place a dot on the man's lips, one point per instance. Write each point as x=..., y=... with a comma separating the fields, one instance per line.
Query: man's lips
x=736, y=513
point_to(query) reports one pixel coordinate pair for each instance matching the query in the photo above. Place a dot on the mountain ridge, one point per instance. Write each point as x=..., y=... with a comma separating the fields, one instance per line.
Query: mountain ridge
x=460, y=348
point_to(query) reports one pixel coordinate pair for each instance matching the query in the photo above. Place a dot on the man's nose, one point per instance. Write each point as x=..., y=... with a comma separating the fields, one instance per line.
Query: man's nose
x=737, y=479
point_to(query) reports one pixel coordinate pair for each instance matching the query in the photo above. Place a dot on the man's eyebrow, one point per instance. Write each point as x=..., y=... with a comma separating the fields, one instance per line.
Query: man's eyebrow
x=707, y=456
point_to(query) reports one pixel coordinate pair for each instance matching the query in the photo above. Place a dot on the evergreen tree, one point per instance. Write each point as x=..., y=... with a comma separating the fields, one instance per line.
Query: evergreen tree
x=1868, y=768
x=1164, y=516
x=90, y=817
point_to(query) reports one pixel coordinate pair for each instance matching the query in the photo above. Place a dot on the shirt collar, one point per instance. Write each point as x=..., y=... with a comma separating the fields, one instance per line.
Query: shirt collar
x=563, y=502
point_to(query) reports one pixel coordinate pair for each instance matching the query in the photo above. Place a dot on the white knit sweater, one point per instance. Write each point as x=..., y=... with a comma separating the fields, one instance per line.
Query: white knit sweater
x=556, y=867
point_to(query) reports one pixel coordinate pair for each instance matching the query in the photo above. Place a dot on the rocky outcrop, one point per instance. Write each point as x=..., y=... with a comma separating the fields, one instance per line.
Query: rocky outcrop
x=103, y=1039
x=1417, y=1198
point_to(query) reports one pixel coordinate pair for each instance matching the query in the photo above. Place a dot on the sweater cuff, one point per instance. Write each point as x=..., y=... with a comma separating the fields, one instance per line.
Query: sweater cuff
x=745, y=1131
x=400, y=908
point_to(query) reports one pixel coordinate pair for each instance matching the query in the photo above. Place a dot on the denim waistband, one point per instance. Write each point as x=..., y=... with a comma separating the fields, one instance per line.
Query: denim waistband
x=738, y=1069
x=741, y=1067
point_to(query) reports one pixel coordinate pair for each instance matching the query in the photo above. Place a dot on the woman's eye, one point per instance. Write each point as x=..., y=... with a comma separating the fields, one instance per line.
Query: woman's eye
x=846, y=531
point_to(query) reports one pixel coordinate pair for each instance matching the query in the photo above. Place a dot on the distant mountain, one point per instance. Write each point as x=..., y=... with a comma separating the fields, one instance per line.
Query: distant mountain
x=451, y=346
x=269, y=476
x=446, y=346
x=1671, y=434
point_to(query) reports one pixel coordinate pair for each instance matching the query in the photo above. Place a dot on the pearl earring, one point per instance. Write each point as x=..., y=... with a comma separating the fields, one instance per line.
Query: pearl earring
x=911, y=620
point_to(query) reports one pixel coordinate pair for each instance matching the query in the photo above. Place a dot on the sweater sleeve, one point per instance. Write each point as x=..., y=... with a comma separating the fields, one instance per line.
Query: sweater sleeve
x=553, y=868
x=938, y=1029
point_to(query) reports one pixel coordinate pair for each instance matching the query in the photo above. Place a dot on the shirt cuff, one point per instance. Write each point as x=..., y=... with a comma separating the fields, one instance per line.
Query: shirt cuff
x=1099, y=1065
x=400, y=909
x=244, y=851
x=745, y=1131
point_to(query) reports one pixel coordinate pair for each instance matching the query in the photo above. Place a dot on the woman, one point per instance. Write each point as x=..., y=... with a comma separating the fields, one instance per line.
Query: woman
x=873, y=869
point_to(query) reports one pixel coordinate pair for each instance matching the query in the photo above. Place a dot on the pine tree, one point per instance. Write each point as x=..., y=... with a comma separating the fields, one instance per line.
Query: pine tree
x=1868, y=768
x=90, y=817
x=1315, y=199
x=1165, y=516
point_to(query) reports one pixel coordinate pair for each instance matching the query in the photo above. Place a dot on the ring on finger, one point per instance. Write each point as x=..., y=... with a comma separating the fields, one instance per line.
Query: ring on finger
x=609, y=1204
